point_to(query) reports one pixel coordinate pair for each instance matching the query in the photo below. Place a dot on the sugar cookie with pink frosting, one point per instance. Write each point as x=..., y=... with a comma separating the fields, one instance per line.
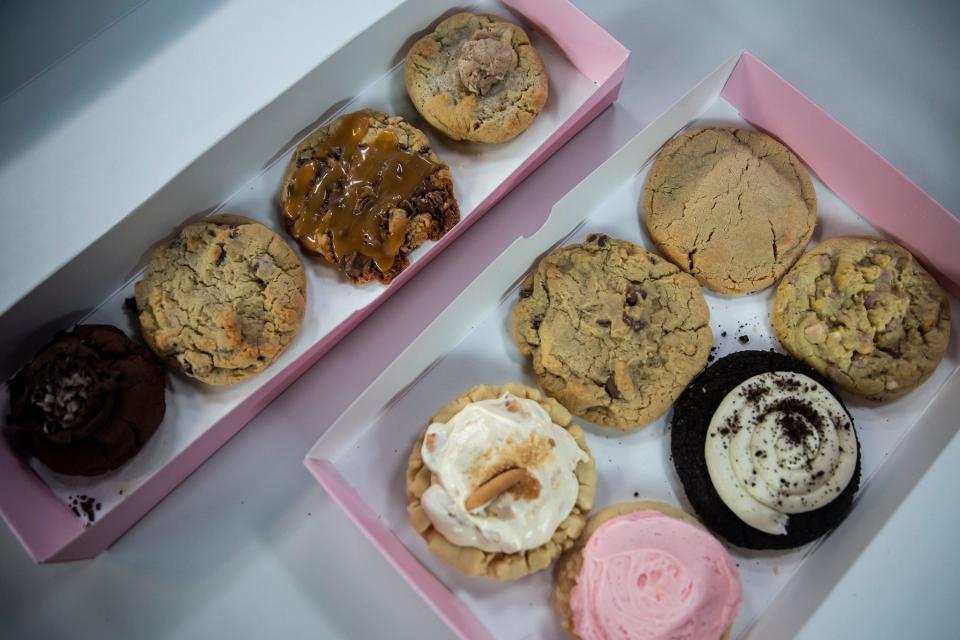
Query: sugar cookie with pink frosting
x=646, y=570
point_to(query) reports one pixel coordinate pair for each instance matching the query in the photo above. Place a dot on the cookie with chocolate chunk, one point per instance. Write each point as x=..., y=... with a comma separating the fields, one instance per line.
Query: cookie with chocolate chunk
x=366, y=190
x=690, y=428
x=88, y=401
x=865, y=314
x=222, y=300
x=614, y=332
x=477, y=78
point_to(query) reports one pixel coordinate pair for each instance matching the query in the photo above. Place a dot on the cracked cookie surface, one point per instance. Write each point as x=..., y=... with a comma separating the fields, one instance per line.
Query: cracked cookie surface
x=223, y=300
x=364, y=191
x=862, y=312
x=614, y=333
x=733, y=207
x=476, y=78
x=499, y=565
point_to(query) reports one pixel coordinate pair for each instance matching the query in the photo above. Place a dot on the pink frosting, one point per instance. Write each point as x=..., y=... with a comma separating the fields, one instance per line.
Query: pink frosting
x=646, y=575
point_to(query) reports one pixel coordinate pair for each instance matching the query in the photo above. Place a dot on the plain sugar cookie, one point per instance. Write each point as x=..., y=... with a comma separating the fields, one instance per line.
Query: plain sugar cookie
x=733, y=207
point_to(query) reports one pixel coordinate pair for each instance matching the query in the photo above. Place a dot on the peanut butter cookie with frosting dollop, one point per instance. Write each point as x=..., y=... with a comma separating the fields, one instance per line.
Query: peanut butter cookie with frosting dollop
x=477, y=78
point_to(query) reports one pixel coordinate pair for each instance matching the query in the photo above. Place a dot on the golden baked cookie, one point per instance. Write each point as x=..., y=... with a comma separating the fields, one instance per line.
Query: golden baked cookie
x=614, y=333
x=733, y=207
x=502, y=566
x=222, y=300
x=366, y=190
x=570, y=563
x=865, y=314
x=476, y=78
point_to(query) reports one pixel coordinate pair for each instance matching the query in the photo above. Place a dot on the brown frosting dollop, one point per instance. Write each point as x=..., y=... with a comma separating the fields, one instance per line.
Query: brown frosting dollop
x=485, y=60
x=88, y=401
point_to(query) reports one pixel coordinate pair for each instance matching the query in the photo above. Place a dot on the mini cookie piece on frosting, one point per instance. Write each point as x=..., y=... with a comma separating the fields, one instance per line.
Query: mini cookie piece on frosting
x=222, y=300
x=766, y=451
x=863, y=313
x=733, y=207
x=500, y=482
x=366, y=190
x=476, y=78
x=88, y=401
x=646, y=570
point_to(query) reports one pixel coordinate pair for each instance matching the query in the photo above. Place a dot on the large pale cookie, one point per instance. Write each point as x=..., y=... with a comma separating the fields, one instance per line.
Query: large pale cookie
x=614, y=333
x=733, y=207
x=862, y=312
x=476, y=78
x=502, y=566
x=222, y=300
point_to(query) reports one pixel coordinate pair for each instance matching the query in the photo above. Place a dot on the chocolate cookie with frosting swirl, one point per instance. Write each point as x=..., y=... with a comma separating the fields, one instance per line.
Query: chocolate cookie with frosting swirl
x=88, y=401
x=766, y=451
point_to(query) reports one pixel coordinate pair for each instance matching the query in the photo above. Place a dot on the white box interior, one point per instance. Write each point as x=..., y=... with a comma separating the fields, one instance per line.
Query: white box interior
x=373, y=457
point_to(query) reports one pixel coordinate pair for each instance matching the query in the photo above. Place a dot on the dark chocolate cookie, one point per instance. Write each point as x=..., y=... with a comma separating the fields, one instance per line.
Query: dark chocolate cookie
x=689, y=426
x=88, y=401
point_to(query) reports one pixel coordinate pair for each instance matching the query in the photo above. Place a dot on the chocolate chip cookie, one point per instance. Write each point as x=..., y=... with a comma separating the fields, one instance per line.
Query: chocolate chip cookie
x=366, y=190
x=88, y=401
x=862, y=312
x=476, y=78
x=614, y=333
x=733, y=207
x=223, y=300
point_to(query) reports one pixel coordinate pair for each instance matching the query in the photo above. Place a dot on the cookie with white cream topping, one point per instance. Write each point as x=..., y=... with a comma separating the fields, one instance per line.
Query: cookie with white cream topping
x=500, y=482
x=766, y=451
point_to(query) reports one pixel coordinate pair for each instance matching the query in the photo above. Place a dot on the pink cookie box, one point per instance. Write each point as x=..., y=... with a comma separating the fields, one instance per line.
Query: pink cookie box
x=360, y=460
x=240, y=174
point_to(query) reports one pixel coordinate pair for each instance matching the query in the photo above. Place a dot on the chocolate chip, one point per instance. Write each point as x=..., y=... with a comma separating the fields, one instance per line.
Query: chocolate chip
x=611, y=388
x=526, y=293
x=603, y=323
x=223, y=254
x=599, y=238
x=536, y=323
x=631, y=298
x=636, y=324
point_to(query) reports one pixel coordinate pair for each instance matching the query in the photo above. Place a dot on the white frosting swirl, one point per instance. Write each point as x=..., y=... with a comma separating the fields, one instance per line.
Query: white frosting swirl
x=483, y=440
x=779, y=443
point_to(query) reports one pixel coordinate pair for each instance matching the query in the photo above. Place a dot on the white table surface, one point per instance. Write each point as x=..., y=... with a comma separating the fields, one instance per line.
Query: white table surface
x=249, y=545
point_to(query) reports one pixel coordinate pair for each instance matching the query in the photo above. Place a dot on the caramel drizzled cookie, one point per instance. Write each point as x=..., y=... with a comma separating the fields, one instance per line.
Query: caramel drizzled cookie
x=223, y=300
x=476, y=78
x=366, y=190
x=88, y=401
x=733, y=207
x=862, y=312
x=614, y=333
